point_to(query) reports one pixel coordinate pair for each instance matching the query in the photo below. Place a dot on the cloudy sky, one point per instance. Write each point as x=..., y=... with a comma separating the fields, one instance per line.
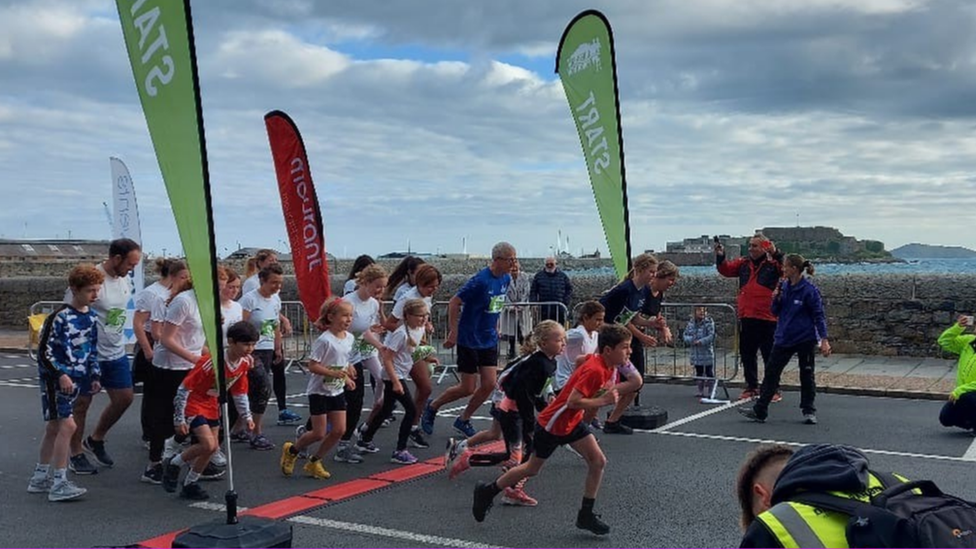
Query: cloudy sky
x=430, y=121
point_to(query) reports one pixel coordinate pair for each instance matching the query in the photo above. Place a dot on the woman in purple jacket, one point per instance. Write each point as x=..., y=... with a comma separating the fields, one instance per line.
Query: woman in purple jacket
x=802, y=324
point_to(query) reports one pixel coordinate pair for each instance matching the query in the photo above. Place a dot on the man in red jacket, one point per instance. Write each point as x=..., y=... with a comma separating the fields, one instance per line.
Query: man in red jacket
x=758, y=274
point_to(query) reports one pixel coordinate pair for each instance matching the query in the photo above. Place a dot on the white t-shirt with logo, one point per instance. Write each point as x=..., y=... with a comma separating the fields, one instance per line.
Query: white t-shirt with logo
x=185, y=314
x=333, y=353
x=578, y=342
x=365, y=313
x=110, y=307
x=264, y=316
x=230, y=315
x=402, y=350
x=153, y=298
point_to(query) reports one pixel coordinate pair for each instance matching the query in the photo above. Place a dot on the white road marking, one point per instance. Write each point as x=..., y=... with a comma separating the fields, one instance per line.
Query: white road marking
x=15, y=366
x=970, y=454
x=420, y=539
x=788, y=443
x=695, y=417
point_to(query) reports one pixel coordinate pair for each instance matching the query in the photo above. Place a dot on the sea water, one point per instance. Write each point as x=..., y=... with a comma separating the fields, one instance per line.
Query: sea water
x=910, y=266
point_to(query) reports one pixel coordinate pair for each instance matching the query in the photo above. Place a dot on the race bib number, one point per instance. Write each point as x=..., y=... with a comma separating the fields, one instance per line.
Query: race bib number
x=115, y=319
x=496, y=304
x=359, y=345
x=268, y=328
x=335, y=383
x=626, y=316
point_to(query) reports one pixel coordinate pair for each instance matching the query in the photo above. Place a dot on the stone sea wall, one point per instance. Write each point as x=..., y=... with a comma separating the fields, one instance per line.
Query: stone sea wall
x=866, y=314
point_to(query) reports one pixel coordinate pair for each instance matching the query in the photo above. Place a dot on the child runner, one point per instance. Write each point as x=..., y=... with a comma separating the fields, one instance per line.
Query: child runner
x=149, y=299
x=359, y=264
x=367, y=321
x=331, y=373
x=428, y=280
x=262, y=308
x=700, y=337
x=398, y=360
x=563, y=422
x=516, y=398
x=401, y=279
x=580, y=342
x=196, y=411
x=67, y=364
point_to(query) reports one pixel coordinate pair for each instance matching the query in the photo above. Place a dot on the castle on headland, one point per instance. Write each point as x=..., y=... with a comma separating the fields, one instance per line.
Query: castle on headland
x=822, y=244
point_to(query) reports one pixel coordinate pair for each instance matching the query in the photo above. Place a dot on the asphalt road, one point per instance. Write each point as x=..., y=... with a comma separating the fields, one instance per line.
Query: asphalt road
x=669, y=488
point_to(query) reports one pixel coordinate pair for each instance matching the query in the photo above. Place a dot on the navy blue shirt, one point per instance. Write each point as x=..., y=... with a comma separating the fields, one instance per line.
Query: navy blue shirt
x=482, y=299
x=801, y=314
x=624, y=301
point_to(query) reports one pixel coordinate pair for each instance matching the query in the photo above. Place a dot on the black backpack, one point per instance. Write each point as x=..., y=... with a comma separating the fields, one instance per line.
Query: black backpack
x=904, y=514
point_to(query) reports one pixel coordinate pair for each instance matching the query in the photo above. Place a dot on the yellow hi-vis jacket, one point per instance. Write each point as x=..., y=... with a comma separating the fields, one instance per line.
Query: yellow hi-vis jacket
x=800, y=525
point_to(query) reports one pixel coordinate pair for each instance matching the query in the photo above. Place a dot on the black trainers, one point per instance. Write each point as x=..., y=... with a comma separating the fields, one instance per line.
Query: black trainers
x=617, y=428
x=97, y=451
x=484, y=496
x=750, y=413
x=212, y=472
x=194, y=491
x=153, y=474
x=80, y=465
x=417, y=440
x=588, y=520
x=171, y=475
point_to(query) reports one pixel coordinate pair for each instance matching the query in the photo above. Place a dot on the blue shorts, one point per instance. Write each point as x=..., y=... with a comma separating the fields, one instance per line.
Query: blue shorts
x=56, y=405
x=117, y=373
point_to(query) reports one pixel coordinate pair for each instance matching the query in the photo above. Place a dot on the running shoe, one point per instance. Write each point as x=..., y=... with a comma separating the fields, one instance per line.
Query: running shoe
x=403, y=457
x=64, y=491
x=97, y=450
x=171, y=475
x=617, y=428
x=171, y=447
x=347, y=454
x=365, y=447
x=41, y=485
x=287, y=417
x=750, y=413
x=778, y=397
x=212, y=472
x=315, y=469
x=428, y=417
x=810, y=419
x=484, y=496
x=595, y=424
x=194, y=492
x=153, y=474
x=417, y=440
x=80, y=465
x=464, y=427
x=517, y=496
x=748, y=393
x=460, y=465
x=588, y=520
x=261, y=442
x=288, y=459
x=388, y=421
x=219, y=459
x=450, y=453
x=240, y=436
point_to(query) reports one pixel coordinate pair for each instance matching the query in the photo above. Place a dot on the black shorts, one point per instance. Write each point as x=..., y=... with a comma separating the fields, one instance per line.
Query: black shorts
x=546, y=443
x=321, y=404
x=470, y=361
x=198, y=421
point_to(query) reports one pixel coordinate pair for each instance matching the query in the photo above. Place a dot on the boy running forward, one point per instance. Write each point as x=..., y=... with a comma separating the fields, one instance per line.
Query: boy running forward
x=67, y=363
x=564, y=422
x=196, y=409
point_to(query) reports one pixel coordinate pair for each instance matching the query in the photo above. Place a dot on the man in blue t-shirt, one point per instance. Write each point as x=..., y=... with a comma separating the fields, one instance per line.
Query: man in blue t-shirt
x=472, y=317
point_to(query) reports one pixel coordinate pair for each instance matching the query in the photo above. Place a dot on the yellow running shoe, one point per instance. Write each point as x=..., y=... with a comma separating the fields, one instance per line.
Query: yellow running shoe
x=288, y=459
x=315, y=469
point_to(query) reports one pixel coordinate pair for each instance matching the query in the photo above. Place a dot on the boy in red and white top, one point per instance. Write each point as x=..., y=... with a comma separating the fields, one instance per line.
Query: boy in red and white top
x=564, y=421
x=196, y=409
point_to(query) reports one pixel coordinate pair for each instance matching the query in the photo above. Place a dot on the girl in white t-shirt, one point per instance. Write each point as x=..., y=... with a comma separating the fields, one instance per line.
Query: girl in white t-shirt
x=580, y=341
x=428, y=280
x=331, y=374
x=403, y=352
x=231, y=311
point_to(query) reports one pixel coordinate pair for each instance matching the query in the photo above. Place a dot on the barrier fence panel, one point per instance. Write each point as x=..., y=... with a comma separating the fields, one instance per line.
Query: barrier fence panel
x=298, y=344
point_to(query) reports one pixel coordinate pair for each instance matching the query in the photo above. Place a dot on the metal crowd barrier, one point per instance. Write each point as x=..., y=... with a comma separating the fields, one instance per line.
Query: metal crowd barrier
x=297, y=344
x=673, y=362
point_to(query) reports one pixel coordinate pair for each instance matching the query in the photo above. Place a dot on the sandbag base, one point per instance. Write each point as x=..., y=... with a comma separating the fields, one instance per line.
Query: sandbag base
x=644, y=417
x=248, y=532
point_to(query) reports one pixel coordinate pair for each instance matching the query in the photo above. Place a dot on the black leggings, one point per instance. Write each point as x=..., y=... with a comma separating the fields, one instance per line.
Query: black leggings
x=389, y=399
x=512, y=433
x=158, y=398
x=961, y=413
x=354, y=402
x=278, y=383
x=778, y=359
x=755, y=335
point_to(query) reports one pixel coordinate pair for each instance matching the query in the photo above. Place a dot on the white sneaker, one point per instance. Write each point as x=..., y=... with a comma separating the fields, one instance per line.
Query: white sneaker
x=219, y=459
x=65, y=491
x=346, y=454
x=40, y=485
x=171, y=448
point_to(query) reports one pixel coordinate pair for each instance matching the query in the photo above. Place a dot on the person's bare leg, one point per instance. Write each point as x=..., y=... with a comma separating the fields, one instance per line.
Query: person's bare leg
x=488, y=376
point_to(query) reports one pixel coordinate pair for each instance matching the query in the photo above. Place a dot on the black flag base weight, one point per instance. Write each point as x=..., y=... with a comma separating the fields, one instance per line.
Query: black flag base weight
x=644, y=417
x=245, y=531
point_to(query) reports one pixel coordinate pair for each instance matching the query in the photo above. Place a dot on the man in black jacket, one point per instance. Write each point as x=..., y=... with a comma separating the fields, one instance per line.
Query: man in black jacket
x=551, y=285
